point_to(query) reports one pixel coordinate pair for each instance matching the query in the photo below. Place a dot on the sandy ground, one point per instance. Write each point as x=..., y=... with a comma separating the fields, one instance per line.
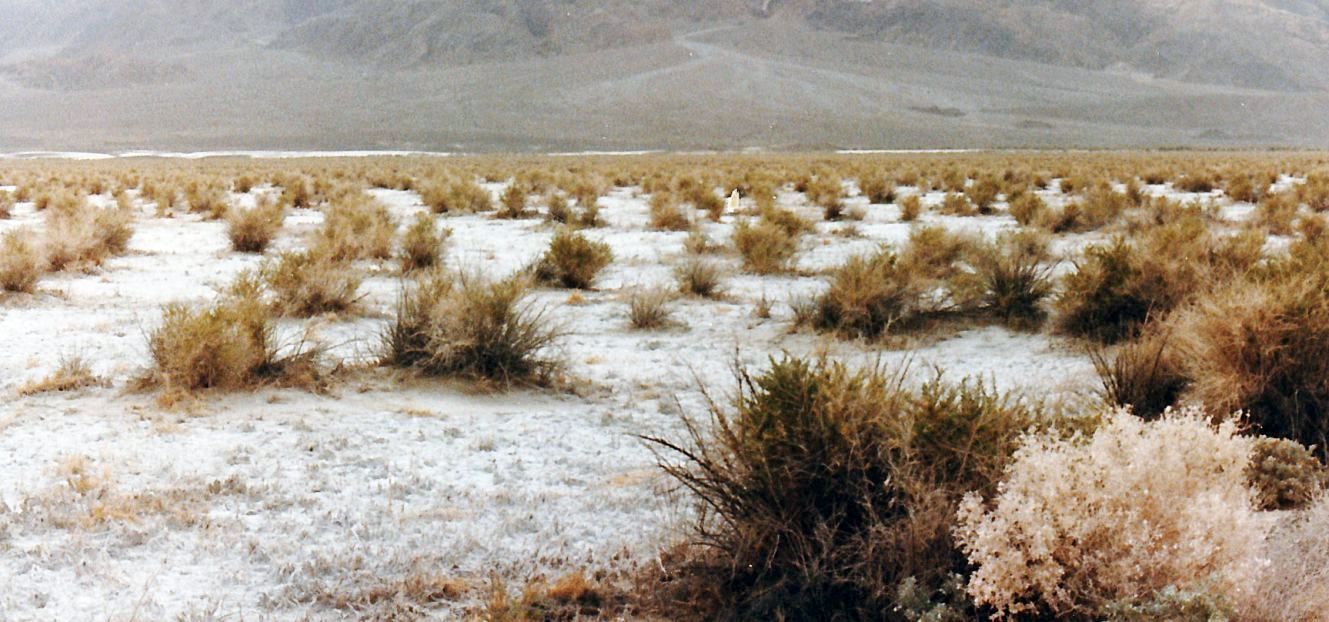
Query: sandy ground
x=265, y=505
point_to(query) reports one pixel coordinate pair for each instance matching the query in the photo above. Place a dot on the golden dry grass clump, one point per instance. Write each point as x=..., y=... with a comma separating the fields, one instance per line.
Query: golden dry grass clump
x=699, y=277
x=229, y=345
x=667, y=214
x=80, y=234
x=355, y=227
x=648, y=308
x=1259, y=346
x=572, y=260
x=766, y=246
x=422, y=244
x=7, y=202
x=458, y=325
x=22, y=261
x=457, y=196
x=251, y=230
x=307, y=283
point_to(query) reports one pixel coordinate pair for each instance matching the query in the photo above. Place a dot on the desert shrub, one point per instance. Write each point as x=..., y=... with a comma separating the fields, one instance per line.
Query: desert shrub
x=1014, y=276
x=1295, y=585
x=72, y=374
x=983, y=193
x=697, y=243
x=295, y=192
x=458, y=196
x=1260, y=348
x=792, y=223
x=557, y=210
x=22, y=261
x=230, y=345
x=85, y=235
x=825, y=191
x=704, y=199
x=957, y=204
x=306, y=284
x=455, y=325
x=766, y=248
x=878, y=294
x=1242, y=188
x=667, y=214
x=1136, y=508
x=243, y=184
x=251, y=230
x=1143, y=375
x=512, y=203
x=1028, y=209
x=879, y=189
x=1197, y=604
x=1097, y=207
x=1276, y=212
x=649, y=308
x=572, y=260
x=211, y=201
x=834, y=211
x=1195, y=182
x=6, y=204
x=1284, y=474
x=422, y=244
x=355, y=227
x=867, y=296
x=910, y=208
x=698, y=277
x=1105, y=297
x=820, y=490
x=1314, y=192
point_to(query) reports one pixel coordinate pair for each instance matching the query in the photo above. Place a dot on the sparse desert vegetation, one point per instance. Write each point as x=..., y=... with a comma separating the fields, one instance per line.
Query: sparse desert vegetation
x=866, y=387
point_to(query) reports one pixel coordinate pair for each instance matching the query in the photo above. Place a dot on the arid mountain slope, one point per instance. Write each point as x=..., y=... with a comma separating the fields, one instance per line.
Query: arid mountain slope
x=582, y=74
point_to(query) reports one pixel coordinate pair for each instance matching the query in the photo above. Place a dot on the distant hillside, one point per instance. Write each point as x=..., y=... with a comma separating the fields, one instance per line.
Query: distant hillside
x=570, y=74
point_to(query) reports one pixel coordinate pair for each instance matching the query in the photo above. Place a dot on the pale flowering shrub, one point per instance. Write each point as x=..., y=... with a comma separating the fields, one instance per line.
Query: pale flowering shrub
x=1295, y=587
x=1134, y=509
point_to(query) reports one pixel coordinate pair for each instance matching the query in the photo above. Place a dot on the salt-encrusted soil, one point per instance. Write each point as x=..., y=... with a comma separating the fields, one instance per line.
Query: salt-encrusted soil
x=266, y=505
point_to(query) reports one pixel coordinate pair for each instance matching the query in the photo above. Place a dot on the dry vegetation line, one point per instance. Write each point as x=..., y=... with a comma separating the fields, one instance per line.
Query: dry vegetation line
x=967, y=385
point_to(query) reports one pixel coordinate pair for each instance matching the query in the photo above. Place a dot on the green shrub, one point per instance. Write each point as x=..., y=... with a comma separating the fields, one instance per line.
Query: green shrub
x=572, y=260
x=1284, y=474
